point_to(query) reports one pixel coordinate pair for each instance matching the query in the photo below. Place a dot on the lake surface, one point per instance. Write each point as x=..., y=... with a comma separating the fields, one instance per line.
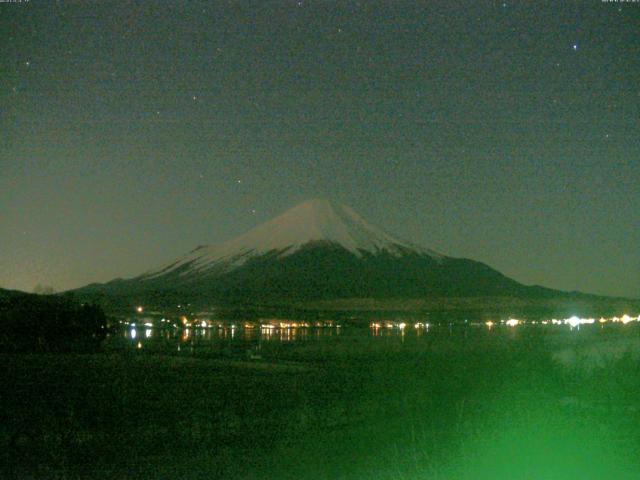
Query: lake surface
x=255, y=341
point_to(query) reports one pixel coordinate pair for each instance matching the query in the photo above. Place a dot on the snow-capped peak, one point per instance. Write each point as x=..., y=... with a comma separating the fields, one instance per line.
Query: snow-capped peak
x=316, y=220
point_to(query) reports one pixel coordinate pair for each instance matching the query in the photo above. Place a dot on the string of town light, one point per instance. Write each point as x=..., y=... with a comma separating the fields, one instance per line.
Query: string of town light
x=203, y=321
x=573, y=322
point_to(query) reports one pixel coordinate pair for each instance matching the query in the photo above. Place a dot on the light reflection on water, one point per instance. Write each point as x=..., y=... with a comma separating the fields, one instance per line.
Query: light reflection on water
x=176, y=338
x=236, y=339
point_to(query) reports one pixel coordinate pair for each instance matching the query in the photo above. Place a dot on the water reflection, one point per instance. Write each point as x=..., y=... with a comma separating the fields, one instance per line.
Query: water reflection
x=248, y=338
x=221, y=337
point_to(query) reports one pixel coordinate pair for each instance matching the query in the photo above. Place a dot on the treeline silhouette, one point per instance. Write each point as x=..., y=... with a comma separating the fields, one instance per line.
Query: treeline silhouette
x=30, y=322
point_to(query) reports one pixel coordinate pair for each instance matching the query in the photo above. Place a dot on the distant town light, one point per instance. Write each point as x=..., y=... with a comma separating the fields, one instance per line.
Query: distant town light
x=626, y=319
x=512, y=322
x=139, y=309
x=573, y=321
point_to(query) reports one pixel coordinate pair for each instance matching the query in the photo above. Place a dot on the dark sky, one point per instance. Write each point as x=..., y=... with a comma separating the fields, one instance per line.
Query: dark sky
x=131, y=132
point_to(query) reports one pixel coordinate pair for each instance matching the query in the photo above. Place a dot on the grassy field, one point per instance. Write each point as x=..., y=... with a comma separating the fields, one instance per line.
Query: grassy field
x=496, y=406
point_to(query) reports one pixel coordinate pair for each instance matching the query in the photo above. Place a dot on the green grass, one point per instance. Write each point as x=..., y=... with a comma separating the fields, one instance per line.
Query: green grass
x=492, y=406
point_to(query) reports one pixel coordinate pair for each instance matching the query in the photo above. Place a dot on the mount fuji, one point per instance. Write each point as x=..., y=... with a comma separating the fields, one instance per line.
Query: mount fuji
x=316, y=250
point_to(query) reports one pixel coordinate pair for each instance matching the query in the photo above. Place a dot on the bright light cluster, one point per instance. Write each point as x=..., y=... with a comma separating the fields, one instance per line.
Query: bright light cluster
x=576, y=321
x=573, y=321
x=626, y=319
x=399, y=325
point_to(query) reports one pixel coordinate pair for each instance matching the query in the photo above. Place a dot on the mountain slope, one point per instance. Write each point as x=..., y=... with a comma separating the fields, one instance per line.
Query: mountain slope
x=316, y=220
x=317, y=250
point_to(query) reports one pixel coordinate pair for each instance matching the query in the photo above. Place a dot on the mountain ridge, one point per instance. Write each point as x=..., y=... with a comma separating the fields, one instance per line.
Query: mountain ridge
x=315, y=220
x=317, y=250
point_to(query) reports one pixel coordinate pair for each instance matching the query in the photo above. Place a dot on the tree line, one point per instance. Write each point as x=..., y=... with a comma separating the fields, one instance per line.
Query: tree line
x=31, y=322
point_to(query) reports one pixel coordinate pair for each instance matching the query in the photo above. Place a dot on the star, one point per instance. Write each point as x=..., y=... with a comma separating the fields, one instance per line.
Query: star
x=575, y=46
x=239, y=181
x=27, y=63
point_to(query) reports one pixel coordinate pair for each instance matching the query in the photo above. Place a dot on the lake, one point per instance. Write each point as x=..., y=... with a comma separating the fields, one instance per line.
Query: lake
x=452, y=400
x=285, y=339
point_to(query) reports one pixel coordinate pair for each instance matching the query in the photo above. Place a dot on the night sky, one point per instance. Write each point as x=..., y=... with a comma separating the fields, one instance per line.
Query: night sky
x=131, y=132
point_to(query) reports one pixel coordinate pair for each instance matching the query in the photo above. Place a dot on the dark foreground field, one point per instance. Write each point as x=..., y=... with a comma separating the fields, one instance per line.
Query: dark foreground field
x=497, y=406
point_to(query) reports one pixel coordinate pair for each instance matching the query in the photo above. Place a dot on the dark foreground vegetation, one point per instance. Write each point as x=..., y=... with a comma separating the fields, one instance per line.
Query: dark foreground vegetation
x=498, y=406
x=49, y=323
